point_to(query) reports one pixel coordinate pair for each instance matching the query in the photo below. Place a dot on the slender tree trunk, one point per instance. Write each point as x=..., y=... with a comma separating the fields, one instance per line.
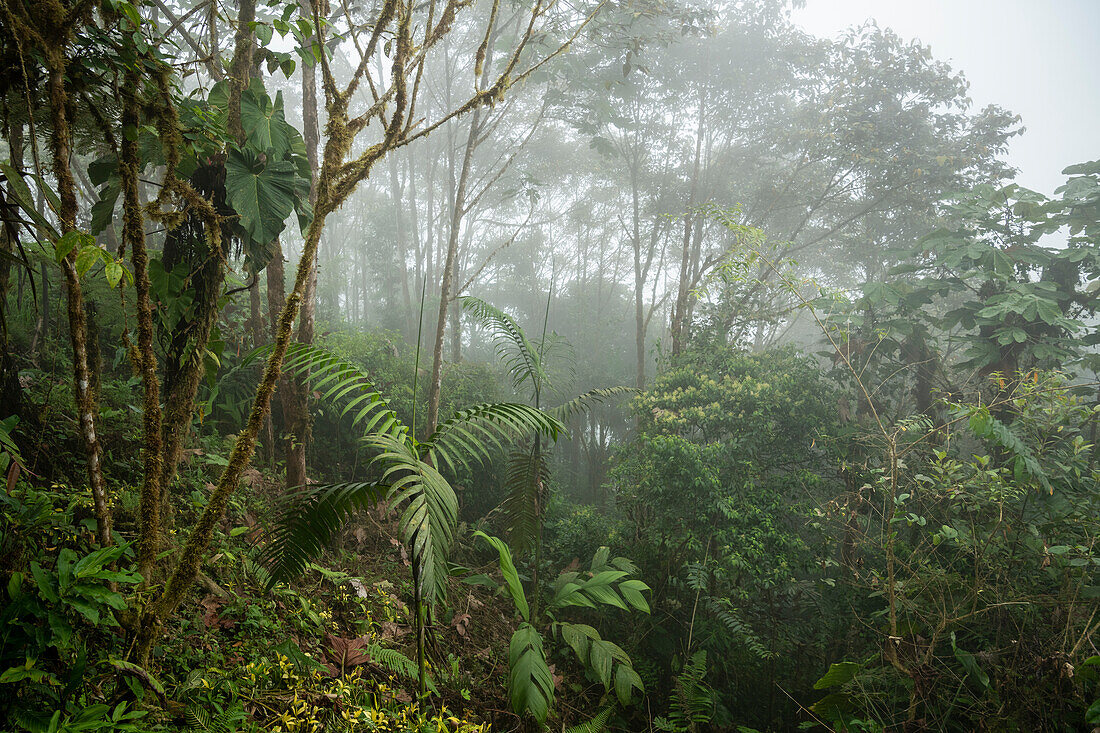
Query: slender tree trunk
x=446, y=294
x=639, y=283
x=133, y=235
x=182, y=379
x=83, y=379
x=11, y=392
x=680, y=321
x=402, y=246
x=295, y=402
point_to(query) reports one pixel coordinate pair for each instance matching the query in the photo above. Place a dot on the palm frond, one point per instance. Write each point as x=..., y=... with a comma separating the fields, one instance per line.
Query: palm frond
x=344, y=382
x=428, y=505
x=306, y=522
x=586, y=401
x=518, y=354
x=473, y=432
x=526, y=480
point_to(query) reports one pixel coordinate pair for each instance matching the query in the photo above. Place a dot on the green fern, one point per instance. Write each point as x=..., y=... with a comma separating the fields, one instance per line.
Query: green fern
x=692, y=702
x=987, y=427
x=410, y=480
x=597, y=724
x=199, y=717
x=396, y=662
x=344, y=382
x=520, y=357
x=527, y=477
x=585, y=402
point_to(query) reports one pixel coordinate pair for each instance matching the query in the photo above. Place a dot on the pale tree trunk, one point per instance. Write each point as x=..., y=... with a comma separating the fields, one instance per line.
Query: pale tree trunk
x=639, y=282
x=446, y=291
x=397, y=194
x=681, y=323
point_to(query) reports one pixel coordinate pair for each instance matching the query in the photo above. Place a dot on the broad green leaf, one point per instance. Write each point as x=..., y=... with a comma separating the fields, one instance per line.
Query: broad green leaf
x=839, y=673
x=261, y=191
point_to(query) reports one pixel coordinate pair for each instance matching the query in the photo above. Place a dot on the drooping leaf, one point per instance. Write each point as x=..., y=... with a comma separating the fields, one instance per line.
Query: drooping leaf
x=261, y=191
x=511, y=576
x=530, y=684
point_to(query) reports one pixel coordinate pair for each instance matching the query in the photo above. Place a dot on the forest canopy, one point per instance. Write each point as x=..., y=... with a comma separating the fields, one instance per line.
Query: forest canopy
x=530, y=365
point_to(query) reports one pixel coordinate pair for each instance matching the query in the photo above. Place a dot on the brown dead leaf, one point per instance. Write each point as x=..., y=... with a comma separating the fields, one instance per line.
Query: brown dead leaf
x=210, y=616
x=390, y=630
x=557, y=678
x=346, y=653
x=461, y=622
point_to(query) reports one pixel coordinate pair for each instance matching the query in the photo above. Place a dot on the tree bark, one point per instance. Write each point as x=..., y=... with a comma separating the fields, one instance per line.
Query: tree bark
x=133, y=236
x=83, y=379
x=295, y=398
x=446, y=291
x=680, y=320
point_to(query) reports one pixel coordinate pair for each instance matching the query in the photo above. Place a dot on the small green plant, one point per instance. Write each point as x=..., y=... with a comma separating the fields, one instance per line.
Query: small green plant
x=607, y=582
x=692, y=703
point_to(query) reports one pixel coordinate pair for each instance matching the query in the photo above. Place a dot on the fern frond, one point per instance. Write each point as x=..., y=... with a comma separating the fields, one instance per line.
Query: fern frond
x=598, y=724
x=530, y=684
x=526, y=480
x=306, y=522
x=587, y=401
x=723, y=610
x=516, y=352
x=397, y=663
x=344, y=382
x=987, y=427
x=429, y=509
x=693, y=701
x=474, y=431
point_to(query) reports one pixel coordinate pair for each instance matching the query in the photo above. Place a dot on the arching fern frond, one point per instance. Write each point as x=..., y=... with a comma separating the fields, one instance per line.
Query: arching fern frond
x=396, y=662
x=586, y=401
x=344, y=383
x=428, y=506
x=692, y=703
x=473, y=432
x=597, y=724
x=306, y=522
x=516, y=352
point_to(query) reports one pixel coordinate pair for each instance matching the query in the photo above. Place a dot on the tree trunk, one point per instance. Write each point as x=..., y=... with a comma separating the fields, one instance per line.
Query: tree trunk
x=295, y=397
x=680, y=320
x=446, y=293
x=83, y=379
x=133, y=236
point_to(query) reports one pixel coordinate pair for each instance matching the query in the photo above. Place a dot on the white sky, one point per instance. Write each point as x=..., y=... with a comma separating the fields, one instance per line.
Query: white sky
x=1037, y=58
